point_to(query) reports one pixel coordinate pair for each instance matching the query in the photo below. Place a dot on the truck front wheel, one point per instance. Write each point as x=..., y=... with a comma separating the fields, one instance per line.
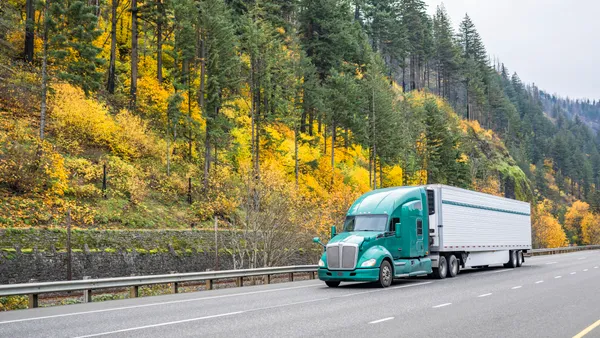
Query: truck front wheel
x=442, y=270
x=333, y=284
x=386, y=275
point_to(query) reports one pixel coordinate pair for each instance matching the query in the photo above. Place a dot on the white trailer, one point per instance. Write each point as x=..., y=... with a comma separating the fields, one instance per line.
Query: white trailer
x=478, y=229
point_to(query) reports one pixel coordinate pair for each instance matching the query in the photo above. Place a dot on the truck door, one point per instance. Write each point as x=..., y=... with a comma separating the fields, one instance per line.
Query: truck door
x=419, y=243
x=392, y=243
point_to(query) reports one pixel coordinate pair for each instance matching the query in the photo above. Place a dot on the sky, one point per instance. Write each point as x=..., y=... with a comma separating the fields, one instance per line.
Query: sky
x=552, y=43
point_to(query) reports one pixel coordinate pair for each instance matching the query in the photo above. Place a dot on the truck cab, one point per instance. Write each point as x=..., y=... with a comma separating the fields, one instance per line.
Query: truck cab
x=385, y=236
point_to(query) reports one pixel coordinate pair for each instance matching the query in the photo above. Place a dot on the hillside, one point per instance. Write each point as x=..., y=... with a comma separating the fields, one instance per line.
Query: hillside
x=269, y=117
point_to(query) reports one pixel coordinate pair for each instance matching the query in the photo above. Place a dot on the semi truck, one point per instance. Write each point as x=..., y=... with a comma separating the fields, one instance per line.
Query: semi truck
x=434, y=230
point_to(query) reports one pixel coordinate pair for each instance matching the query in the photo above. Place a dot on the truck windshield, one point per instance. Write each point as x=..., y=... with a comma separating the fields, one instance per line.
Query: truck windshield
x=365, y=223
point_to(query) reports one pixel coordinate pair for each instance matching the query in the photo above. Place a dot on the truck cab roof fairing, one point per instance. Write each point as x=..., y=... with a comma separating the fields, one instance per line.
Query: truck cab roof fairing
x=383, y=201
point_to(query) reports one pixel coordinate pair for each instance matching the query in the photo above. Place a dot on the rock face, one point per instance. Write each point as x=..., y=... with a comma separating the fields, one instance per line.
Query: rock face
x=20, y=267
x=41, y=254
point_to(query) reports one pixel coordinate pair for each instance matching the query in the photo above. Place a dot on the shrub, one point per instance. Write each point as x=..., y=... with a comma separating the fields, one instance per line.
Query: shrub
x=31, y=166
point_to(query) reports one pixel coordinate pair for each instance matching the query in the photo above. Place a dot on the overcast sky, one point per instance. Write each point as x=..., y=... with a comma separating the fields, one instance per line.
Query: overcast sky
x=552, y=43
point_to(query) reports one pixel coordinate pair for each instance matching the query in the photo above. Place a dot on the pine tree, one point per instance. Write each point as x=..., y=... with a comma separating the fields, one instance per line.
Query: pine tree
x=134, y=55
x=221, y=72
x=29, y=30
x=110, y=85
x=74, y=31
x=475, y=67
x=445, y=52
x=416, y=23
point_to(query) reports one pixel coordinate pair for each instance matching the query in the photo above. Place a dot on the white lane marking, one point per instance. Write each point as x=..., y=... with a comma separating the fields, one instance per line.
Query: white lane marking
x=551, y=263
x=381, y=320
x=557, y=277
x=573, y=272
x=491, y=272
x=538, y=282
x=516, y=287
x=442, y=305
x=595, y=267
x=379, y=290
x=581, y=258
x=484, y=295
x=160, y=303
x=584, y=270
x=254, y=310
x=163, y=324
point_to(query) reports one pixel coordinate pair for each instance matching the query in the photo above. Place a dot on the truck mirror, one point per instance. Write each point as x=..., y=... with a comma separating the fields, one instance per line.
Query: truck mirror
x=333, y=232
x=318, y=241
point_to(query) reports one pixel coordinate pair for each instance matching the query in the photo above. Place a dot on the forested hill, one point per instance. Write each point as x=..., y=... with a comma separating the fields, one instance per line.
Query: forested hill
x=269, y=116
x=558, y=107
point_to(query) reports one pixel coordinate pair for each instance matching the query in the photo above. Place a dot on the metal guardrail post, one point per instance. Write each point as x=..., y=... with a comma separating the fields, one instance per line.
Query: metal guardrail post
x=239, y=282
x=87, y=294
x=33, y=300
x=33, y=297
x=209, y=284
x=267, y=279
x=134, y=291
x=291, y=276
x=174, y=285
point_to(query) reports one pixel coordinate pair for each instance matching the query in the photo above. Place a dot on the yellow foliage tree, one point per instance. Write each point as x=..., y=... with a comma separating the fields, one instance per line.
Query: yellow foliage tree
x=573, y=220
x=590, y=228
x=547, y=232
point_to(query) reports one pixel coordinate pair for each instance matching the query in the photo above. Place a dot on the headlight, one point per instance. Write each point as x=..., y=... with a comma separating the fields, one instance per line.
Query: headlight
x=369, y=263
x=321, y=263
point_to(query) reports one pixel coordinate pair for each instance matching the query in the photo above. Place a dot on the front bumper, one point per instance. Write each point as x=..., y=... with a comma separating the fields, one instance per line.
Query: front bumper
x=356, y=275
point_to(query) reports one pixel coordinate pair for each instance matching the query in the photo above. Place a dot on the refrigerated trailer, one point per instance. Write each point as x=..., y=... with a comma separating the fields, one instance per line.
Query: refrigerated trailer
x=432, y=230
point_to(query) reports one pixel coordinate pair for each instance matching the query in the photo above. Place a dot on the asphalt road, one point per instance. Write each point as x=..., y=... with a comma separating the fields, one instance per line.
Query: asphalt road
x=550, y=296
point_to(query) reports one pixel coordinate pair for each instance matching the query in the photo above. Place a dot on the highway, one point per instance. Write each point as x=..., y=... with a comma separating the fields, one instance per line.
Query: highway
x=550, y=296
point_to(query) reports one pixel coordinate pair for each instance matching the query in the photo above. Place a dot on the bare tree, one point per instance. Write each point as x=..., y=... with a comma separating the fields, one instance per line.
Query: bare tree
x=269, y=229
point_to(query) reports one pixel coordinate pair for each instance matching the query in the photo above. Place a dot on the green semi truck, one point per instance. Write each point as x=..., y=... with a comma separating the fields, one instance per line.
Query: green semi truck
x=432, y=230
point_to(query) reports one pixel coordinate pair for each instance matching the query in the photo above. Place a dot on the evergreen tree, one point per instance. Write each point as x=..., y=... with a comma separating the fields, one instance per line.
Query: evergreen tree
x=221, y=72
x=71, y=44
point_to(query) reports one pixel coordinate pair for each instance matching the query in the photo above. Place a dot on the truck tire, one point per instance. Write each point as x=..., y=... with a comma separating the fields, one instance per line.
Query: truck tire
x=512, y=260
x=442, y=270
x=333, y=284
x=519, y=259
x=452, y=266
x=386, y=274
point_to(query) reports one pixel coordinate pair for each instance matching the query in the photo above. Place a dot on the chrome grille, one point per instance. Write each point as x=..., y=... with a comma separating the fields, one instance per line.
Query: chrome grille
x=348, y=255
x=342, y=256
x=333, y=257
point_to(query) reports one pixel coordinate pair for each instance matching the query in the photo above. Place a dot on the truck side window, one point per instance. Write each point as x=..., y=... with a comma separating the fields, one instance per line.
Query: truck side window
x=419, y=227
x=431, y=201
x=393, y=223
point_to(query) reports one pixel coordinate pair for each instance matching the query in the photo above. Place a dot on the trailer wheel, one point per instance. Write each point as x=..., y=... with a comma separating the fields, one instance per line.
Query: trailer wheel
x=442, y=270
x=386, y=274
x=452, y=266
x=519, y=259
x=512, y=260
x=333, y=284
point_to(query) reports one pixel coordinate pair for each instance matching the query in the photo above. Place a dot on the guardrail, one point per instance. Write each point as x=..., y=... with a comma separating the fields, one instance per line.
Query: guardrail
x=554, y=251
x=134, y=282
